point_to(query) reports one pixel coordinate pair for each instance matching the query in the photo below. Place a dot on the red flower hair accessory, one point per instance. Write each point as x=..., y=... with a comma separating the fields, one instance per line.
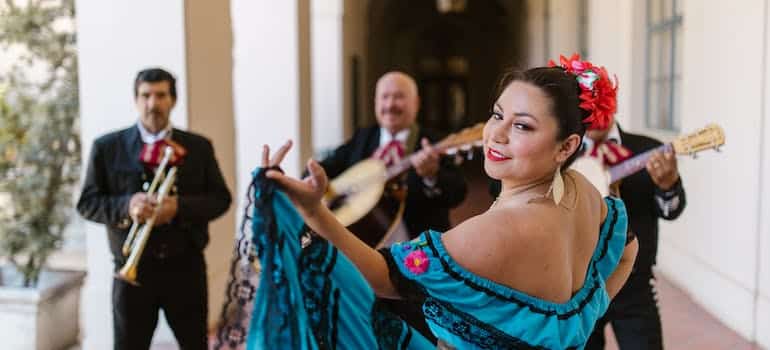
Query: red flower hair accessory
x=598, y=93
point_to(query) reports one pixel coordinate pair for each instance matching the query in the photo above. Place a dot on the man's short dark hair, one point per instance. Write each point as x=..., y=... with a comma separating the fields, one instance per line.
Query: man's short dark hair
x=155, y=75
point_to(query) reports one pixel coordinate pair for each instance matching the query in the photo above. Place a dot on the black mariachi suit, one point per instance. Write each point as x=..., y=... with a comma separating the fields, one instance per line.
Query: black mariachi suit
x=172, y=270
x=634, y=312
x=426, y=208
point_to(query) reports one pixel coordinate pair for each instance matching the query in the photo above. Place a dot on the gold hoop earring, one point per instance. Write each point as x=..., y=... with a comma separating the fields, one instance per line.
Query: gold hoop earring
x=557, y=186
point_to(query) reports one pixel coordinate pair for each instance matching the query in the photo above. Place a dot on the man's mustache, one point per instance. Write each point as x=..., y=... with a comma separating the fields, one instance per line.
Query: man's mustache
x=392, y=110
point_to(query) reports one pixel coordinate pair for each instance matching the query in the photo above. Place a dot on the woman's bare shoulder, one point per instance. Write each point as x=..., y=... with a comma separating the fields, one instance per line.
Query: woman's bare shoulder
x=508, y=229
x=507, y=246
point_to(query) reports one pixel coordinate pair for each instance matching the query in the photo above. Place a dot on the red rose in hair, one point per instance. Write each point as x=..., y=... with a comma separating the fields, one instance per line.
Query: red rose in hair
x=599, y=93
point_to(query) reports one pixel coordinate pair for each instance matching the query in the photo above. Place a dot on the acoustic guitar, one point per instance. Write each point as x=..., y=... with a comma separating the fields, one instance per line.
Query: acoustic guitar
x=369, y=197
x=710, y=137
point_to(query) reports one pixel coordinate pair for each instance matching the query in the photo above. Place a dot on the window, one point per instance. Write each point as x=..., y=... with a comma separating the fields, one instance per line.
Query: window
x=664, y=64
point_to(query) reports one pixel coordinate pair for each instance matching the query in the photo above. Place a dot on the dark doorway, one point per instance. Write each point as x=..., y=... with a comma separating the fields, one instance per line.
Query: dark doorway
x=455, y=57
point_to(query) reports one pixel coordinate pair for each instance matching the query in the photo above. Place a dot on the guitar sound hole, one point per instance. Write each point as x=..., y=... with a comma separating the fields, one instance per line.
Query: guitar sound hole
x=337, y=202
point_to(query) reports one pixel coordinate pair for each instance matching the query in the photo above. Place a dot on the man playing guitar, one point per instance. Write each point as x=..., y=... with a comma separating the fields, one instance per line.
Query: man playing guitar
x=433, y=185
x=653, y=193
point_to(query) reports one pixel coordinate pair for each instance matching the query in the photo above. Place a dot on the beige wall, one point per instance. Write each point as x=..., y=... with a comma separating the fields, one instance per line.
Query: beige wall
x=210, y=113
x=564, y=23
x=537, y=48
x=354, y=32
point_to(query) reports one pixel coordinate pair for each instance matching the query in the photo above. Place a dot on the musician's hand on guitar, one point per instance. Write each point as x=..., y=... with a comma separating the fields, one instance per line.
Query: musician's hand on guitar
x=306, y=193
x=141, y=206
x=663, y=170
x=167, y=210
x=426, y=162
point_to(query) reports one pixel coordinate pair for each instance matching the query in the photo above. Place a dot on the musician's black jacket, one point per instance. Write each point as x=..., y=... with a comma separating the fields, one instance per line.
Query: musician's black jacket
x=115, y=173
x=426, y=208
x=643, y=201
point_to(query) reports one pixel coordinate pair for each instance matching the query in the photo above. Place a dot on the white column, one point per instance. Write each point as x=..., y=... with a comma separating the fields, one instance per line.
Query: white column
x=271, y=82
x=327, y=83
x=610, y=34
x=116, y=39
x=762, y=307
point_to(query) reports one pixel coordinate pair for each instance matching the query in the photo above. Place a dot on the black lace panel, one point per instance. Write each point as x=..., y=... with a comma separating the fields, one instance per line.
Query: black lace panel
x=320, y=295
x=242, y=284
x=469, y=328
x=388, y=328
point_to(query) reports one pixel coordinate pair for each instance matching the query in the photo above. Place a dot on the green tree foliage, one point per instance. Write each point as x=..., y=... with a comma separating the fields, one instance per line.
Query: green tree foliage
x=39, y=131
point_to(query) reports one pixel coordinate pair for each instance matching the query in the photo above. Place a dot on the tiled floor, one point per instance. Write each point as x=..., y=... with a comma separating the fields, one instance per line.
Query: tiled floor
x=687, y=326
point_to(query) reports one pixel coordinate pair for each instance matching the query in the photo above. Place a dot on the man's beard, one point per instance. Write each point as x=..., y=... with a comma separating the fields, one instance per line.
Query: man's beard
x=157, y=119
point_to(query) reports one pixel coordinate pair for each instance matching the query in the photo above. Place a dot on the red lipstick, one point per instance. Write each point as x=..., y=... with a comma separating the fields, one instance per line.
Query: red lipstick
x=496, y=156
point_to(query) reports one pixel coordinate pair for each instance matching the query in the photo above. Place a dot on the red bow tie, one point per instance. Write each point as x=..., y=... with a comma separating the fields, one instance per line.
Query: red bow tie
x=391, y=152
x=152, y=153
x=610, y=152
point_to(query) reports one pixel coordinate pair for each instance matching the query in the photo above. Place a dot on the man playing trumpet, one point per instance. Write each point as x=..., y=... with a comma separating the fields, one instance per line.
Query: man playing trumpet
x=169, y=267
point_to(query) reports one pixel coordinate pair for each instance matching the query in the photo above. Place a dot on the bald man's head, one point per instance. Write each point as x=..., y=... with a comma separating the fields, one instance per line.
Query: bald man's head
x=396, y=101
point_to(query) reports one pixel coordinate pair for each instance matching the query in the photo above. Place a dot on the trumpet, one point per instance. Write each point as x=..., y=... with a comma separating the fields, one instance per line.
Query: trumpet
x=128, y=271
x=159, y=174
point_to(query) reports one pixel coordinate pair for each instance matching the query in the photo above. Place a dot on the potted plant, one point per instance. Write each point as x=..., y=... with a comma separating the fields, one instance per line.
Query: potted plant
x=39, y=170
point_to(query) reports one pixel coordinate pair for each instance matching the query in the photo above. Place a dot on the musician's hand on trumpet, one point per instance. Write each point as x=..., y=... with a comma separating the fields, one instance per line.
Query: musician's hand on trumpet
x=142, y=206
x=167, y=210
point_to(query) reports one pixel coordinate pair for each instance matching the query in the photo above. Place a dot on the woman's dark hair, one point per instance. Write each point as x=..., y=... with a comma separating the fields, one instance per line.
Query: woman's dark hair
x=563, y=90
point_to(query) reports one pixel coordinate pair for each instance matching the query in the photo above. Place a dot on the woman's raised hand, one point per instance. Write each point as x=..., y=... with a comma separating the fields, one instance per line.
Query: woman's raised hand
x=306, y=193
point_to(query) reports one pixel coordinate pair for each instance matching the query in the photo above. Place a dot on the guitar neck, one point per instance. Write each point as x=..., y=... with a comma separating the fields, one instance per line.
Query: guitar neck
x=636, y=163
x=398, y=168
x=463, y=140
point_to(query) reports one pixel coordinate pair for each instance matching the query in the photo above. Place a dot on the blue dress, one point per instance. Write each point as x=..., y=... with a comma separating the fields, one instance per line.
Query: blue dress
x=467, y=311
x=308, y=295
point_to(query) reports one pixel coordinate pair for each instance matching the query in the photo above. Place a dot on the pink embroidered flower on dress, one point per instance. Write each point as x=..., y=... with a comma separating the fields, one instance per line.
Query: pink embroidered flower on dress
x=417, y=262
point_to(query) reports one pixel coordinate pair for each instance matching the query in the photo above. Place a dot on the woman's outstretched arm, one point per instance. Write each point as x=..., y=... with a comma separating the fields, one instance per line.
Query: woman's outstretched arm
x=306, y=195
